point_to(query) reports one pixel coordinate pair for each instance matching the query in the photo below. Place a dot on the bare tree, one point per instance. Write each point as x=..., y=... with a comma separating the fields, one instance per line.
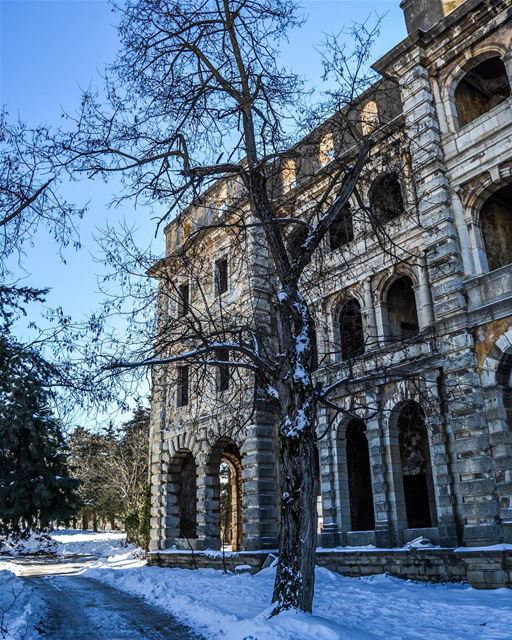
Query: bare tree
x=196, y=105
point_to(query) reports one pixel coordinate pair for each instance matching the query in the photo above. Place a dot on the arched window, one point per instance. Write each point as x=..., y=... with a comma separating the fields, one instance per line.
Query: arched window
x=369, y=117
x=482, y=88
x=416, y=468
x=504, y=379
x=352, y=340
x=341, y=231
x=496, y=227
x=359, y=478
x=386, y=201
x=401, y=310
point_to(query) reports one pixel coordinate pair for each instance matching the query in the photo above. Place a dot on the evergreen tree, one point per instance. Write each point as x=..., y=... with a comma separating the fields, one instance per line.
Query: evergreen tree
x=36, y=489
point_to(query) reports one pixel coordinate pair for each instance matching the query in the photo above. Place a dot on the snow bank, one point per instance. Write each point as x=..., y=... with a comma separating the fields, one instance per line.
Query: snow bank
x=70, y=542
x=236, y=607
x=19, y=606
x=34, y=544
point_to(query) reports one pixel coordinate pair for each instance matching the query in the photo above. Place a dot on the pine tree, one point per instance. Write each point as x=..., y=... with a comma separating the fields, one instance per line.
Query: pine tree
x=35, y=484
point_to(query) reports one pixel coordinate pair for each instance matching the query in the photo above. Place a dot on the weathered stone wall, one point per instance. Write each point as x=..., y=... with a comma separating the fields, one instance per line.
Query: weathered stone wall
x=450, y=371
x=481, y=569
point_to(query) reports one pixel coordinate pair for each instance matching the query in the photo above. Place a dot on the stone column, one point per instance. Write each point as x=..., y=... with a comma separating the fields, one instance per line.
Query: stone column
x=369, y=319
x=425, y=315
x=158, y=461
x=449, y=520
x=384, y=533
x=259, y=483
x=328, y=479
x=467, y=422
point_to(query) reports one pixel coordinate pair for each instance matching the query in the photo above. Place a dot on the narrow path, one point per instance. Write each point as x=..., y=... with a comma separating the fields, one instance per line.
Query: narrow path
x=81, y=608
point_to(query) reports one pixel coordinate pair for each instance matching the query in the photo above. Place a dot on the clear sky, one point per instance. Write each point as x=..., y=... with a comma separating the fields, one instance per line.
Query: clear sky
x=51, y=48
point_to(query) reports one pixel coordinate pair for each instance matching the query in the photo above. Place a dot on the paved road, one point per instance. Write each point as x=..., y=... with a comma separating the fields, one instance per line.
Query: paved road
x=80, y=608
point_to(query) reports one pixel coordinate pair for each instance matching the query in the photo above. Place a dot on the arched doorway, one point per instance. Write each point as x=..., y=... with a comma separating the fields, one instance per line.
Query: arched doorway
x=359, y=477
x=402, y=314
x=226, y=475
x=182, y=495
x=496, y=228
x=418, y=485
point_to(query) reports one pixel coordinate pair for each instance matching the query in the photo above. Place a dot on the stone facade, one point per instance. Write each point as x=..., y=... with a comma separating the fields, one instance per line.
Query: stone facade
x=428, y=447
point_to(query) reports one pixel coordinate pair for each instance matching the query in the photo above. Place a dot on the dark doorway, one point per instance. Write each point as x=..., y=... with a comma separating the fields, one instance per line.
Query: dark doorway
x=186, y=498
x=416, y=468
x=359, y=477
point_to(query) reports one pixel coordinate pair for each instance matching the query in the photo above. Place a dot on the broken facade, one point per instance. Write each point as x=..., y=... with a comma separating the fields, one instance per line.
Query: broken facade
x=427, y=449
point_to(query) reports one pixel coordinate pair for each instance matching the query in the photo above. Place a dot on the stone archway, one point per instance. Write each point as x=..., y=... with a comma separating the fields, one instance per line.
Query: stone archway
x=182, y=496
x=226, y=494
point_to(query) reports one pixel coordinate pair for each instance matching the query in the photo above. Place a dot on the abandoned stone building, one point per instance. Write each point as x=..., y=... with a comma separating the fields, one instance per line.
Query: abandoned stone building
x=428, y=447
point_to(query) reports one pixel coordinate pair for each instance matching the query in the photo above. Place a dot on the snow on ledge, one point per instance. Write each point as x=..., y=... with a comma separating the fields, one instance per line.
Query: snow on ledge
x=489, y=549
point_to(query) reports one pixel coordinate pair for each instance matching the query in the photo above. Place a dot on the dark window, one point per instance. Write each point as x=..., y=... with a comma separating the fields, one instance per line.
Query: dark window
x=341, y=231
x=482, y=88
x=386, y=201
x=223, y=372
x=351, y=331
x=182, y=386
x=496, y=225
x=221, y=276
x=296, y=242
x=183, y=300
x=401, y=308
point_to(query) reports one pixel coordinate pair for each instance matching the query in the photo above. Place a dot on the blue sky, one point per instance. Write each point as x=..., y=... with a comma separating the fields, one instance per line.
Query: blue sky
x=51, y=48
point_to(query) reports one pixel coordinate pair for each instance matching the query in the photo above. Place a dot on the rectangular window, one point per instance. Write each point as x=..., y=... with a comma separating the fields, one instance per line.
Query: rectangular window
x=182, y=386
x=221, y=276
x=183, y=300
x=223, y=373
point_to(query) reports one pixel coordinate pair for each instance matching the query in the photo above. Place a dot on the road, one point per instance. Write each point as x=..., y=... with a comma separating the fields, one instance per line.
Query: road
x=81, y=608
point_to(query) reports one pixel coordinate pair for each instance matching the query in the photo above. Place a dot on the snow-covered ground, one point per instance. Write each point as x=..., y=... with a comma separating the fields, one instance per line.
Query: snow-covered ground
x=236, y=607
x=76, y=542
x=68, y=542
x=18, y=605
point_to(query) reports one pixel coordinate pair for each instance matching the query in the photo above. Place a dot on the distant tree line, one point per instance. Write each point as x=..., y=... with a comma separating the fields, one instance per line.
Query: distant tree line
x=112, y=467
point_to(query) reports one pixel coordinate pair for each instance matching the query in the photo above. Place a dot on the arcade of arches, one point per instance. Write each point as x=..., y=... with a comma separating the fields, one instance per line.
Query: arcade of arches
x=223, y=493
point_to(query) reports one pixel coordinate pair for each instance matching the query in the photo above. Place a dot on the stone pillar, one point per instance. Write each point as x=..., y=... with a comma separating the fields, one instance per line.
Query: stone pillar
x=158, y=461
x=449, y=520
x=259, y=483
x=424, y=301
x=384, y=533
x=330, y=536
x=466, y=419
x=369, y=319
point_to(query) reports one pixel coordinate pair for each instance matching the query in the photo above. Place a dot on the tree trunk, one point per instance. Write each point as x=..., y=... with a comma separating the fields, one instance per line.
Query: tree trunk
x=298, y=460
x=297, y=536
